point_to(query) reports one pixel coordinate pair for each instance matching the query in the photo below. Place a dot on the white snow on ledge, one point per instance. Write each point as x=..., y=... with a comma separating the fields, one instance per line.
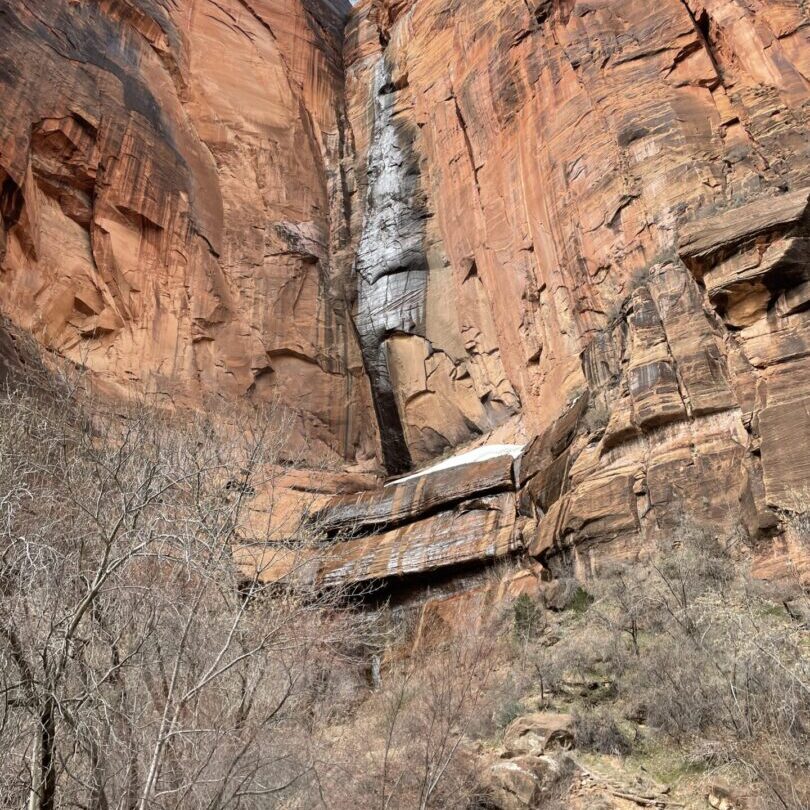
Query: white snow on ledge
x=477, y=455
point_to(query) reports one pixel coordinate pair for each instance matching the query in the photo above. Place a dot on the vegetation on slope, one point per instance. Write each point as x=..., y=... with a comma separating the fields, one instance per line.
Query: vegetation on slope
x=140, y=670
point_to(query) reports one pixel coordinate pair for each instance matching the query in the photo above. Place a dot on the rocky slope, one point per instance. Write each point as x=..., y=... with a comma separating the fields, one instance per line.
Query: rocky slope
x=582, y=227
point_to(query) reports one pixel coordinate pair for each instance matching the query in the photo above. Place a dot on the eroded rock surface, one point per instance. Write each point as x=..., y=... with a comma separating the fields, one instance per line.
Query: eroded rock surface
x=458, y=516
x=408, y=500
x=581, y=225
x=617, y=197
x=172, y=197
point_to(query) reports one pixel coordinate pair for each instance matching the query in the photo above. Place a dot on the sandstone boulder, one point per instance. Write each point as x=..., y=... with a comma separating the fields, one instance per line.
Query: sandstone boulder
x=537, y=733
x=521, y=782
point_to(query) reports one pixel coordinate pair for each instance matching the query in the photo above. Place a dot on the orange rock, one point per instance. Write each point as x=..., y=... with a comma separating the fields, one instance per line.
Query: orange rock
x=416, y=222
x=483, y=530
x=173, y=198
x=408, y=501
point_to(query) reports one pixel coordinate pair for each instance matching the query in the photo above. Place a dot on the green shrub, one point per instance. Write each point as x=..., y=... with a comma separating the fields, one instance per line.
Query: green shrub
x=598, y=731
x=580, y=600
x=509, y=711
x=527, y=617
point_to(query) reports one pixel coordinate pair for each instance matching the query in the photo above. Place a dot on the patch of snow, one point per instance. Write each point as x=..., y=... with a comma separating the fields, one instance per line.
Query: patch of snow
x=479, y=454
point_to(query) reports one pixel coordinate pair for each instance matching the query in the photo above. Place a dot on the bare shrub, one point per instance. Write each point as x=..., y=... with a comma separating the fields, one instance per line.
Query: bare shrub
x=411, y=735
x=139, y=669
x=509, y=710
x=597, y=730
x=527, y=617
x=708, y=660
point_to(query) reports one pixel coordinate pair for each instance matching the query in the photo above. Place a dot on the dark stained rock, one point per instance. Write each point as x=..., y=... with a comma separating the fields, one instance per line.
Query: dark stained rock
x=480, y=530
x=408, y=501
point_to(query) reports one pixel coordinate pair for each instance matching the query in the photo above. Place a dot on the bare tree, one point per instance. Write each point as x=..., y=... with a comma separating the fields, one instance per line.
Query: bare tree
x=140, y=667
x=405, y=747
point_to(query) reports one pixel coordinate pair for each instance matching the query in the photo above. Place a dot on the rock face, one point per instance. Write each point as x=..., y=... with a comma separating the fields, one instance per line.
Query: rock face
x=582, y=226
x=433, y=523
x=414, y=496
x=391, y=267
x=173, y=197
x=617, y=211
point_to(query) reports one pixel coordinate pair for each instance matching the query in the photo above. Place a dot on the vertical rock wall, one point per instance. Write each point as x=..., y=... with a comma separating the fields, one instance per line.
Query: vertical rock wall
x=442, y=360
x=578, y=224
x=617, y=250
x=390, y=267
x=173, y=196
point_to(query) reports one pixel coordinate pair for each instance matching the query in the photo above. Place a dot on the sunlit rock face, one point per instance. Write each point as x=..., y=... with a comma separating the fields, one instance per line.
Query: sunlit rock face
x=421, y=224
x=173, y=196
x=616, y=250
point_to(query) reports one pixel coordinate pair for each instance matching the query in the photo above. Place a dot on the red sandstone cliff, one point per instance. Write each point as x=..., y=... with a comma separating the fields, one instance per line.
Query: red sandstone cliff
x=613, y=199
x=172, y=195
x=579, y=225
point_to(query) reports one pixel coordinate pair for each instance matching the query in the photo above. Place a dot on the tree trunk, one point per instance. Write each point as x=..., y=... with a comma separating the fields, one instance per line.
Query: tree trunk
x=43, y=773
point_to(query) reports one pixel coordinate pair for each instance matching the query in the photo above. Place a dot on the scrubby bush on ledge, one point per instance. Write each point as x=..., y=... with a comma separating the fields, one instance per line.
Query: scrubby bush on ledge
x=685, y=653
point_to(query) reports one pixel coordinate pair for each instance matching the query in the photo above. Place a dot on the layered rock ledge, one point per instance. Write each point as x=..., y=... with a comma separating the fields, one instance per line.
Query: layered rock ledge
x=418, y=225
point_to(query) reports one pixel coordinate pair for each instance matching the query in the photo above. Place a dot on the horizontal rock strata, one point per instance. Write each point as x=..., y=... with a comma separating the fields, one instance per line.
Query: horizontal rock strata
x=452, y=517
x=479, y=530
x=411, y=499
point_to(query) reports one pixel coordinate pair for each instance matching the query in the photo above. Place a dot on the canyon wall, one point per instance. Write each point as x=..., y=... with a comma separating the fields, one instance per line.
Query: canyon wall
x=422, y=225
x=173, y=197
x=613, y=214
